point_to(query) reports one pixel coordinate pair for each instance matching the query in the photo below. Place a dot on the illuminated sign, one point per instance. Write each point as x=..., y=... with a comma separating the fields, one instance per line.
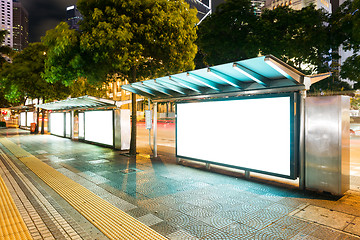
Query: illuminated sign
x=254, y=134
x=99, y=127
x=29, y=118
x=57, y=124
x=68, y=124
x=23, y=119
x=81, y=126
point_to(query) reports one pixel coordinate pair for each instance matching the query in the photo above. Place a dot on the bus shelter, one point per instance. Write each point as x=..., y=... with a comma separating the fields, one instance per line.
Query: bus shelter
x=218, y=121
x=90, y=119
x=26, y=115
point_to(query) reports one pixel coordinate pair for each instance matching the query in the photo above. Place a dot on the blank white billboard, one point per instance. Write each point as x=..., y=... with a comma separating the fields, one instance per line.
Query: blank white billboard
x=23, y=119
x=29, y=119
x=68, y=124
x=99, y=127
x=57, y=124
x=81, y=125
x=246, y=133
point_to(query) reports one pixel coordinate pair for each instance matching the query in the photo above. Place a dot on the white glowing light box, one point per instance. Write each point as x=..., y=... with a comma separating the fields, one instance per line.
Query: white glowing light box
x=99, y=127
x=57, y=124
x=81, y=126
x=248, y=133
x=23, y=119
x=68, y=124
x=29, y=118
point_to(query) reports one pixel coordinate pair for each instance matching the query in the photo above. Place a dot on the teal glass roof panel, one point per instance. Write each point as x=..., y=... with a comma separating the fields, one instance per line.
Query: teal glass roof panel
x=260, y=73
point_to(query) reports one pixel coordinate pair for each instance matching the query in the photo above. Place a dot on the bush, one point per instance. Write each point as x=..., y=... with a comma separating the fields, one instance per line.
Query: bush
x=2, y=124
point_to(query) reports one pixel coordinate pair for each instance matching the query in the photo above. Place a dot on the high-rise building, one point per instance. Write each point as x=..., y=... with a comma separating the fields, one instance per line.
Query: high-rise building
x=14, y=19
x=73, y=16
x=20, y=26
x=6, y=20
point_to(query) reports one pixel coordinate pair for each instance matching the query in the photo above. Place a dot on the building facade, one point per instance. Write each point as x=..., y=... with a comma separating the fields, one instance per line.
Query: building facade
x=14, y=19
x=7, y=21
x=20, y=26
x=73, y=16
x=299, y=4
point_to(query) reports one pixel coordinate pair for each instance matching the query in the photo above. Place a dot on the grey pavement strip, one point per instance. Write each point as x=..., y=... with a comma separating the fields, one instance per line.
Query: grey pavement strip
x=42, y=219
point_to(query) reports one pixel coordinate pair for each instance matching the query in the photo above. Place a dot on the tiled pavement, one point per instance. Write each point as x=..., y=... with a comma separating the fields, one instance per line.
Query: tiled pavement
x=180, y=202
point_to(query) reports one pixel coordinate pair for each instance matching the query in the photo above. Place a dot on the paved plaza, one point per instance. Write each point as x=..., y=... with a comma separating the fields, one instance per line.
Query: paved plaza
x=177, y=201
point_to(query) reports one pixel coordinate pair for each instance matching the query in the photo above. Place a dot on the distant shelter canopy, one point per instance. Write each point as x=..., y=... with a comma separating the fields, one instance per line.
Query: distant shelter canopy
x=265, y=74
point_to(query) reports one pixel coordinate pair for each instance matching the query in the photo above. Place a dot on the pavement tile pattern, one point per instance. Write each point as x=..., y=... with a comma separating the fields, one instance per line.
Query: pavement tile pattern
x=187, y=202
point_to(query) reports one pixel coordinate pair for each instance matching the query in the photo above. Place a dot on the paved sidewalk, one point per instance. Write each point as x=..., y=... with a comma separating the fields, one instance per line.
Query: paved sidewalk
x=179, y=202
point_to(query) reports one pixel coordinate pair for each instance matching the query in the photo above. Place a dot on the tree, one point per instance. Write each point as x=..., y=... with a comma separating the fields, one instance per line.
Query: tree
x=22, y=79
x=138, y=39
x=298, y=37
x=4, y=50
x=228, y=34
x=348, y=20
x=63, y=62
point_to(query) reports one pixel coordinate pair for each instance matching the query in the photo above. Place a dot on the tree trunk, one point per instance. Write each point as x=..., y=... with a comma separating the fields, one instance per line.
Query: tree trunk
x=42, y=121
x=133, y=117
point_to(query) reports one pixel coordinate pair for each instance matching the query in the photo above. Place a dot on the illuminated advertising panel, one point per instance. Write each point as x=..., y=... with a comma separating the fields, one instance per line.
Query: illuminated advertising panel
x=23, y=119
x=57, y=124
x=248, y=133
x=81, y=126
x=99, y=127
x=68, y=124
x=29, y=118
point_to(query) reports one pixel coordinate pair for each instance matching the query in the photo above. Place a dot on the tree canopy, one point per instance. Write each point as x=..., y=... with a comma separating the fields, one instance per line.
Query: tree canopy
x=22, y=78
x=229, y=33
x=137, y=39
x=348, y=20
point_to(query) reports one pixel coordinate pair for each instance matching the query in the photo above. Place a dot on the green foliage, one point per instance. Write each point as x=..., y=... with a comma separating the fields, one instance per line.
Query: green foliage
x=228, y=34
x=355, y=102
x=63, y=62
x=22, y=79
x=351, y=69
x=298, y=37
x=137, y=38
x=348, y=20
x=81, y=87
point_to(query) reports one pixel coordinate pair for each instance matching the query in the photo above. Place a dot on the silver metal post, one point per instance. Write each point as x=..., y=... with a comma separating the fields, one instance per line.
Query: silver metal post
x=149, y=128
x=155, y=129
x=302, y=142
x=247, y=174
x=207, y=166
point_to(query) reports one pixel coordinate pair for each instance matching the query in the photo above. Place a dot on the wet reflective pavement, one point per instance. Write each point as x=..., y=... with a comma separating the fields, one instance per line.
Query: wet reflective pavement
x=185, y=202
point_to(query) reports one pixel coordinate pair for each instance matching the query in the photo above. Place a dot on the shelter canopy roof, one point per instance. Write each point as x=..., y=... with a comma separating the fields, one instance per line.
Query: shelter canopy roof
x=256, y=75
x=84, y=102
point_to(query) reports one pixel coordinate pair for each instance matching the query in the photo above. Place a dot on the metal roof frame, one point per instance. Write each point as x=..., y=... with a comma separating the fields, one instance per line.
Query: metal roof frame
x=265, y=74
x=84, y=102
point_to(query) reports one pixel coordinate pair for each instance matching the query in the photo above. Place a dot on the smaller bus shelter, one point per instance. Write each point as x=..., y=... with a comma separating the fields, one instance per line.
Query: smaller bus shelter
x=26, y=115
x=218, y=121
x=90, y=119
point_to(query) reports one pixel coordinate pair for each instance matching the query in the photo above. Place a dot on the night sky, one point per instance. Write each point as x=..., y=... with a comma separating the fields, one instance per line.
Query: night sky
x=45, y=15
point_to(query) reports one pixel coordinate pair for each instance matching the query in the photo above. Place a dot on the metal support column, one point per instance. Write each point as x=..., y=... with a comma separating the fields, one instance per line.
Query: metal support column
x=302, y=142
x=207, y=166
x=149, y=128
x=247, y=174
x=155, y=129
